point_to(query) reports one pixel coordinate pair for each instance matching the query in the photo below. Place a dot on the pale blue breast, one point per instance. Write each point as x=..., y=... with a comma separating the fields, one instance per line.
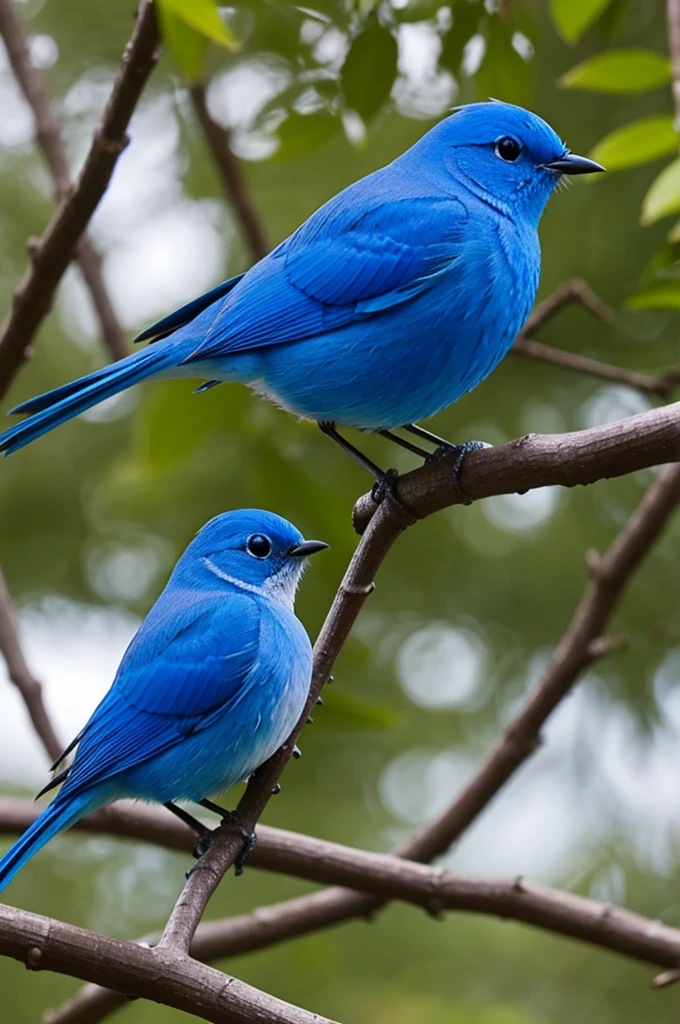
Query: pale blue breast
x=249, y=731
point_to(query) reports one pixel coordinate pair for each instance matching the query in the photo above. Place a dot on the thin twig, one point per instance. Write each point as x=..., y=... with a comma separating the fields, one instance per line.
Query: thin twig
x=49, y=138
x=231, y=175
x=21, y=675
x=51, y=255
x=576, y=290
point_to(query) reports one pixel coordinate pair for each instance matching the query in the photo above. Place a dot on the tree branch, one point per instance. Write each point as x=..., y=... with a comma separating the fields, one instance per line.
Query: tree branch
x=231, y=175
x=49, y=139
x=577, y=290
x=44, y=944
x=51, y=255
x=22, y=677
x=539, y=460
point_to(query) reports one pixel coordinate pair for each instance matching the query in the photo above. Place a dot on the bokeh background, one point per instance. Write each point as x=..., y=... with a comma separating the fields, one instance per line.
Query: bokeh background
x=470, y=602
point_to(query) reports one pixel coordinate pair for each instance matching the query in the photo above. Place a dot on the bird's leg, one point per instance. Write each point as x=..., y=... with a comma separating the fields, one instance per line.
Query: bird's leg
x=330, y=430
x=202, y=831
x=384, y=479
x=445, y=447
x=403, y=443
x=231, y=817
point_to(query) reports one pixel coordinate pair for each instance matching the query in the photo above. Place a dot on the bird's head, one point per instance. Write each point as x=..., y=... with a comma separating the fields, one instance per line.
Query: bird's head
x=507, y=156
x=252, y=550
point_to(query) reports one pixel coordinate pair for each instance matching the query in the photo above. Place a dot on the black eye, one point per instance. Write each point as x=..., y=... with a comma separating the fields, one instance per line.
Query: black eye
x=507, y=148
x=259, y=546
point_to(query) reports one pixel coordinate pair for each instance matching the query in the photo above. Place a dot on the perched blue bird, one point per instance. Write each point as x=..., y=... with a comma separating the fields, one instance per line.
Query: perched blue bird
x=211, y=685
x=393, y=300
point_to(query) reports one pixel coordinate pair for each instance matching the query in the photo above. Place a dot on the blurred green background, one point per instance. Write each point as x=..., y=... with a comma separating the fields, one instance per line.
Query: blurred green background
x=470, y=602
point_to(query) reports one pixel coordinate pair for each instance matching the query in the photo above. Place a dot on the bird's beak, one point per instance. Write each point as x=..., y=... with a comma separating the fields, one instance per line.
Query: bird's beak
x=306, y=547
x=570, y=163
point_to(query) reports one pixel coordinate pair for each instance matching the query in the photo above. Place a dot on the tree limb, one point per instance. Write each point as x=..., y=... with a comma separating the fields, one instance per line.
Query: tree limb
x=44, y=944
x=22, y=677
x=231, y=175
x=51, y=254
x=49, y=139
x=539, y=460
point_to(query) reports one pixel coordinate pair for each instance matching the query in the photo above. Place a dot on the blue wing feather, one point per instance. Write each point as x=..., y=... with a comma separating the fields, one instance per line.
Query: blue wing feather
x=190, y=659
x=336, y=269
x=188, y=312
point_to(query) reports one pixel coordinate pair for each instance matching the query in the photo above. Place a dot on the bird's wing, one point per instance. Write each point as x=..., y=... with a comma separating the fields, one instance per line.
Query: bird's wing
x=337, y=269
x=187, y=312
x=182, y=668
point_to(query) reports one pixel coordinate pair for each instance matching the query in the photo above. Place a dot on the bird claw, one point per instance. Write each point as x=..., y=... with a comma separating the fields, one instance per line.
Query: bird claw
x=460, y=451
x=202, y=845
x=249, y=840
x=385, y=486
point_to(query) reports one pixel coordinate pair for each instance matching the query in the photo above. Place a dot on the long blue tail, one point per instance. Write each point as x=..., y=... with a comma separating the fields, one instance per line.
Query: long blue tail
x=55, y=407
x=55, y=818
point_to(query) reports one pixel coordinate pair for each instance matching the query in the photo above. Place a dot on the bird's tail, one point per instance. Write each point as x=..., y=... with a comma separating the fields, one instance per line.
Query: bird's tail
x=55, y=407
x=58, y=816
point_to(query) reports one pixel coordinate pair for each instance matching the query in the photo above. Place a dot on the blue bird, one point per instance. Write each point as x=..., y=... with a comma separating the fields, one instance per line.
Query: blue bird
x=397, y=297
x=211, y=685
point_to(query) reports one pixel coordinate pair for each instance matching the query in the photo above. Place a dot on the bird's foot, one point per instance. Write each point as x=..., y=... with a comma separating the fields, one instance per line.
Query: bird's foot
x=460, y=451
x=202, y=844
x=249, y=840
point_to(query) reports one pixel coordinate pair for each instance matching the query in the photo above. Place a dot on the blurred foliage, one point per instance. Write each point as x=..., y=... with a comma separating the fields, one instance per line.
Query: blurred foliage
x=470, y=602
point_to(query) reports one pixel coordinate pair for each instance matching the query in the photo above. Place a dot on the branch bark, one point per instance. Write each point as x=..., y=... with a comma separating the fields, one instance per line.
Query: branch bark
x=22, y=677
x=539, y=460
x=43, y=944
x=49, y=139
x=231, y=175
x=51, y=255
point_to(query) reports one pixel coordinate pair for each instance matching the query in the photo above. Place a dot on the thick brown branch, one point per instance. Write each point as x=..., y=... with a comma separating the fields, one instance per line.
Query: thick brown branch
x=231, y=176
x=541, y=460
x=44, y=944
x=22, y=677
x=49, y=139
x=382, y=877
x=51, y=255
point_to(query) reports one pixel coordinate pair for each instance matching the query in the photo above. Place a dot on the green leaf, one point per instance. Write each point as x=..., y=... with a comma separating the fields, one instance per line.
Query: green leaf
x=503, y=74
x=663, y=196
x=370, y=67
x=620, y=71
x=572, y=17
x=637, y=143
x=201, y=15
x=662, y=295
x=466, y=18
x=301, y=133
x=187, y=47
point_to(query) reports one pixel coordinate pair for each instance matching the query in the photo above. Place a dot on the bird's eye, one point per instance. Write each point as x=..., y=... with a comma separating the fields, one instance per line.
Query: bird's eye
x=258, y=545
x=507, y=149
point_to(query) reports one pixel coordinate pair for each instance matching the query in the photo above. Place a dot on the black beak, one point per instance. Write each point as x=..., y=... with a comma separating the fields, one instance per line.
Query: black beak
x=306, y=547
x=570, y=163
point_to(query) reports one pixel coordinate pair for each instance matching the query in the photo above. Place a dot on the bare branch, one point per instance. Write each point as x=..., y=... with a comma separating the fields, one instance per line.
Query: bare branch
x=22, y=677
x=540, y=460
x=231, y=175
x=44, y=944
x=49, y=139
x=577, y=290
x=51, y=255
